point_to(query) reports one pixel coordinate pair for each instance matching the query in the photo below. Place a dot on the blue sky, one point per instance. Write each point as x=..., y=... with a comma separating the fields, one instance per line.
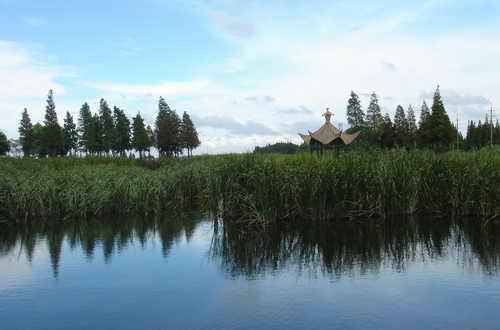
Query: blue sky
x=249, y=72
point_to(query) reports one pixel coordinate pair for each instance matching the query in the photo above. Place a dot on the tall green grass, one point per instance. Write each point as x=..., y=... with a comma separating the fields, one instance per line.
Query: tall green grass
x=256, y=188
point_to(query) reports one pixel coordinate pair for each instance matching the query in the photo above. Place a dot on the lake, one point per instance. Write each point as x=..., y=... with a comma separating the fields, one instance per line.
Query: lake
x=192, y=273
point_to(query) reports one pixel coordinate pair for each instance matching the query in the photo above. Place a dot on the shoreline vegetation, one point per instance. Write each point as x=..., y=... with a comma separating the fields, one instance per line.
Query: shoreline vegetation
x=255, y=188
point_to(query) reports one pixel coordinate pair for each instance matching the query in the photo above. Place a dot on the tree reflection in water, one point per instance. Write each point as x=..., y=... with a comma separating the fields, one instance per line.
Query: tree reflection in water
x=349, y=248
x=336, y=249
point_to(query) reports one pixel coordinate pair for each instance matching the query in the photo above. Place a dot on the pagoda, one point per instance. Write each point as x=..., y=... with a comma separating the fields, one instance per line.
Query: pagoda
x=328, y=136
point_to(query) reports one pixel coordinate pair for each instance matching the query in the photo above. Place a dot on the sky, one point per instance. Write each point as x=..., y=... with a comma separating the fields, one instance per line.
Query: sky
x=248, y=72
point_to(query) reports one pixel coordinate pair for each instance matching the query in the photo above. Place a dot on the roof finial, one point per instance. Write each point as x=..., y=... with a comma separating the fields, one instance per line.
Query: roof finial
x=328, y=115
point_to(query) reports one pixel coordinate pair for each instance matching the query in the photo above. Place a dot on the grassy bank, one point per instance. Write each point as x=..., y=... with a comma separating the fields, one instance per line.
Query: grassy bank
x=255, y=187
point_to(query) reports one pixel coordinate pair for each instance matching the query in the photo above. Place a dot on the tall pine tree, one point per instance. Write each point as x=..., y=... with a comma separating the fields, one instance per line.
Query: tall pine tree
x=4, y=144
x=189, y=136
x=412, y=126
x=122, y=131
x=355, y=114
x=107, y=126
x=70, y=134
x=84, y=125
x=140, y=138
x=26, y=134
x=53, y=136
x=374, y=117
x=167, y=129
x=400, y=127
x=442, y=133
x=424, y=133
x=388, y=133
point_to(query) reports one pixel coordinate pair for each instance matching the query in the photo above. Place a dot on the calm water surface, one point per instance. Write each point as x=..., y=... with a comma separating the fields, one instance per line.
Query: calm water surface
x=192, y=274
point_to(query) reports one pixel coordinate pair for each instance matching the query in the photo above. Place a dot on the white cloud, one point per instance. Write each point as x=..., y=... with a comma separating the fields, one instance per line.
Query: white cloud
x=167, y=89
x=25, y=79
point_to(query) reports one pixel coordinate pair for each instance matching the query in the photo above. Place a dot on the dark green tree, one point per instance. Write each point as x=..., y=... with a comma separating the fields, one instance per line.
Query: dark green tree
x=412, y=126
x=151, y=138
x=400, y=127
x=84, y=123
x=355, y=114
x=424, y=133
x=442, y=132
x=388, y=133
x=53, y=137
x=140, y=138
x=189, y=136
x=38, y=140
x=374, y=117
x=70, y=134
x=26, y=134
x=122, y=131
x=107, y=126
x=167, y=130
x=4, y=144
x=95, y=136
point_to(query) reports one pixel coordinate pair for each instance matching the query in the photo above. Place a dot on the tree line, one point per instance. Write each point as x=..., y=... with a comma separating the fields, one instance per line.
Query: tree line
x=433, y=130
x=107, y=132
x=482, y=134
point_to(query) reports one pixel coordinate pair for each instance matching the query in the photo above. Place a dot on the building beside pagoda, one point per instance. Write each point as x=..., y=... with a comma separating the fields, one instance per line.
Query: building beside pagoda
x=328, y=136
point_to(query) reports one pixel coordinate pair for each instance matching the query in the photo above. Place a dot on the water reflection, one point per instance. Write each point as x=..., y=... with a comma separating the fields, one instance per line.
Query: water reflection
x=333, y=249
x=106, y=236
x=356, y=248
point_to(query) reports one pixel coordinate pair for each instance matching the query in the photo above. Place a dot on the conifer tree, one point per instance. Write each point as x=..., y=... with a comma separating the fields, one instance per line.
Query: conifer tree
x=374, y=117
x=400, y=127
x=189, y=136
x=107, y=126
x=70, y=134
x=4, y=144
x=84, y=123
x=53, y=135
x=388, y=133
x=167, y=130
x=26, y=134
x=122, y=131
x=95, y=136
x=442, y=132
x=38, y=140
x=140, y=139
x=424, y=134
x=355, y=114
x=151, y=138
x=412, y=126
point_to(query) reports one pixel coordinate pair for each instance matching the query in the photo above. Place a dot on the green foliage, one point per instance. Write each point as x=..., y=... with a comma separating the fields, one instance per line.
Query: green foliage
x=84, y=126
x=107, y=126
x=4, y=144
x=94, y=142
x=70, y=134
x=388, y=137
x=140, y=139
x=167, y=130
x=355, y=114
x=53, y=139
x=401, y=127
x=374, y=117
x=479, y=134
x=122, y=129
x=257, y=187
x=441, y=131
x=188, y=137
x=26, y=134
x=412, y=126
x=279, y=148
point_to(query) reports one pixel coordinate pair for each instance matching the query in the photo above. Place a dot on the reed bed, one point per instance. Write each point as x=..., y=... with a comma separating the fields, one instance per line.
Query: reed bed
x=256, y=188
